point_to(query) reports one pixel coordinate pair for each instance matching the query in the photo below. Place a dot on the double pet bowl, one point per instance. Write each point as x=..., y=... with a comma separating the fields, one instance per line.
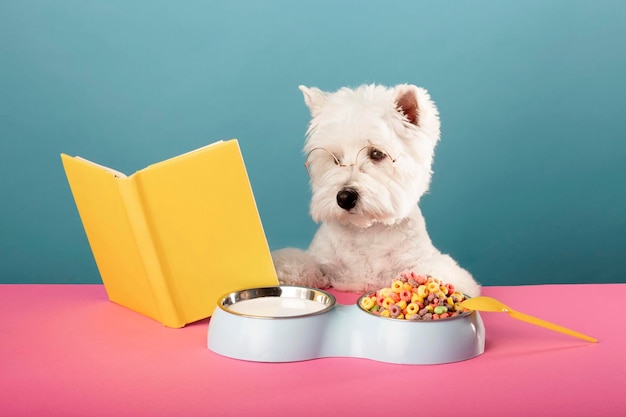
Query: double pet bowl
x=287, y=324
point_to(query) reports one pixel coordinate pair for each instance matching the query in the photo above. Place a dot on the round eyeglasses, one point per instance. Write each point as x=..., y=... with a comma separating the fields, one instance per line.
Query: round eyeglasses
x=320, y=161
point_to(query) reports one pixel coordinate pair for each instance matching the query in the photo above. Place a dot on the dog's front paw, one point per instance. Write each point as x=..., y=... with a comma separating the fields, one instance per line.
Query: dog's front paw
x=296, y=267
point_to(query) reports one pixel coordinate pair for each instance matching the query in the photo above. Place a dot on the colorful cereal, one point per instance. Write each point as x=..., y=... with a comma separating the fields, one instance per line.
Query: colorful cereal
x=415, y=297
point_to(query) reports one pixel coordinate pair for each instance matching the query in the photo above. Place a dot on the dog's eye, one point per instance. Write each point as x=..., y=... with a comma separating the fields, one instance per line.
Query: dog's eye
x=377, y=154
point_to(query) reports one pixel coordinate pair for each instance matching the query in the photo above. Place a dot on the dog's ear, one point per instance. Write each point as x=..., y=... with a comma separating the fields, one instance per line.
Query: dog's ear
x=314, y=98
x=406, y=102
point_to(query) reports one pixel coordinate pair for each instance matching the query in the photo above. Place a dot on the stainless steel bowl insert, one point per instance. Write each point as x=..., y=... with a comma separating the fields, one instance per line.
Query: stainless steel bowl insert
x=277, y=302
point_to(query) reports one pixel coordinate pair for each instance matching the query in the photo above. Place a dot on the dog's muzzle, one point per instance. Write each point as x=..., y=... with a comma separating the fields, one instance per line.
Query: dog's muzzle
x=346, y=198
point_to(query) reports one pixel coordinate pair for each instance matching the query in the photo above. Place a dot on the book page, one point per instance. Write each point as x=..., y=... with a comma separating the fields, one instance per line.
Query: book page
x=118, y=174
x=176, y=159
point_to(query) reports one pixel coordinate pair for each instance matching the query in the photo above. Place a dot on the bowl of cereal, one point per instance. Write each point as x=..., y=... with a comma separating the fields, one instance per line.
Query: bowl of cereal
x=419, y=320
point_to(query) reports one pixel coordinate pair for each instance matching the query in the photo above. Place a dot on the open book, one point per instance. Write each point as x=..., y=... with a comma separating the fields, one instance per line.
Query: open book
x=173, y=237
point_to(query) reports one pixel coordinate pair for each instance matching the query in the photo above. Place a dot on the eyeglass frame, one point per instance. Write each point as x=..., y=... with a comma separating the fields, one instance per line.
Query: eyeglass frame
x=341, y=165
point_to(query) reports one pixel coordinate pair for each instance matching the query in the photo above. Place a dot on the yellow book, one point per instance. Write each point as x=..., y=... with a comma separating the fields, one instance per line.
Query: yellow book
x=173, y=237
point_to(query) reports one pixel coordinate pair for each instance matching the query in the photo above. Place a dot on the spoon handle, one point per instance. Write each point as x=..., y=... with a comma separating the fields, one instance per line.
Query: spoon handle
x=539, y=322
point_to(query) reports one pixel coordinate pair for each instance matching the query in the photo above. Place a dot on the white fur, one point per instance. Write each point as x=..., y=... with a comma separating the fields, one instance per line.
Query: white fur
x=365, y=247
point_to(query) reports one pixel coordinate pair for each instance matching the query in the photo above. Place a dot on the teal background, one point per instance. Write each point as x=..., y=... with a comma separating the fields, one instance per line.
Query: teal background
x=529, y=175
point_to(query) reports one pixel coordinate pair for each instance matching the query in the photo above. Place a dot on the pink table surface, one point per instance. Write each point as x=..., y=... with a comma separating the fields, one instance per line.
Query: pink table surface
x=65, y=350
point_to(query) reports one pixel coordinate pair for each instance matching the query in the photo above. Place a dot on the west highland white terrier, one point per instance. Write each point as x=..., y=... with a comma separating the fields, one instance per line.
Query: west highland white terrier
x=369, y=154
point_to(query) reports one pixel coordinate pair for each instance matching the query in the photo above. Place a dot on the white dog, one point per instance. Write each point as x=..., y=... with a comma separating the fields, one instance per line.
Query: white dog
x=369, y=157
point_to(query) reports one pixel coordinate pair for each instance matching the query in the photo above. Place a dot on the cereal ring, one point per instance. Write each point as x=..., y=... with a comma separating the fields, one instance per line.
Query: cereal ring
x=412, y=308
x=368, y=303
x=384, y=291
x=432, y=287
x=422, y=291
x=394, y=310
x=387, y=302
x=440, y=310
x=415, y=298
x=380, y=299
x=397, y=286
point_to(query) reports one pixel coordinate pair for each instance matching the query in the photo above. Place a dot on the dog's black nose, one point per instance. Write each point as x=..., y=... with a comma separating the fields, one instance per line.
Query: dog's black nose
x=346, y=198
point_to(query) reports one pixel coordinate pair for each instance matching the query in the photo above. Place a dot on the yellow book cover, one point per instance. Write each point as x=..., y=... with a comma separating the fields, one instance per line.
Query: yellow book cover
x=171, y=238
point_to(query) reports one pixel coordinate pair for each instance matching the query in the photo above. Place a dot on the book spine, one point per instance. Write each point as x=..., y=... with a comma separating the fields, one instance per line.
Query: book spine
x=155, y=266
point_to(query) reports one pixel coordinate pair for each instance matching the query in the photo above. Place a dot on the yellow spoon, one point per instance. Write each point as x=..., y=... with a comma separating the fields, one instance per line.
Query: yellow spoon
x=489, y=304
